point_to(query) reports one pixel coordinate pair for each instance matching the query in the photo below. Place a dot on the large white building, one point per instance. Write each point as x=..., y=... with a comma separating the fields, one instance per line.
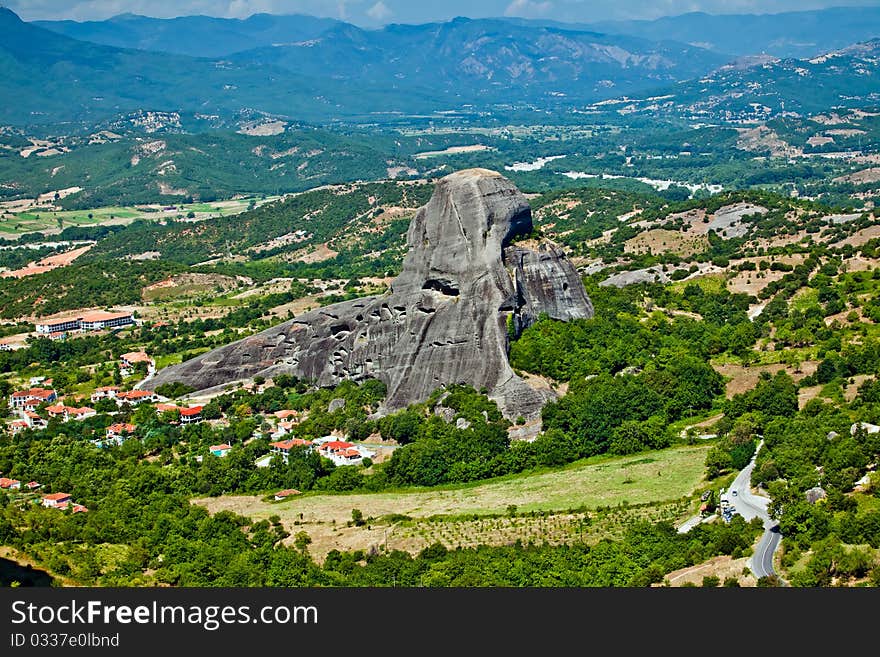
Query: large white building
x=90, y=321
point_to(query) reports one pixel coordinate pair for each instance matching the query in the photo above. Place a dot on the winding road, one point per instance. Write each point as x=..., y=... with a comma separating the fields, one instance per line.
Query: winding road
x=751, y=506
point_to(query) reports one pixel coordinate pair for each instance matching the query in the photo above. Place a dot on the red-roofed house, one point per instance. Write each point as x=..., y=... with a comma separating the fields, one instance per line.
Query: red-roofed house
x=33, y=420
x=286, y=414
x=343, y=453
x=220, y=450
x=283, y=447
x=161, y=408
x=9, y=484
x=95, y=321
x=20, y=398
x=32, y=485
x=53, y=500
x=132, y=358
x=74, y=508
x=120, y=430
x=57, y=410
x=136, y=397
x=335, y=446
x=105, y=392
x=284, y=494
x=69, y=412
x=80, y=413
x=191, y=415
x=17, y=426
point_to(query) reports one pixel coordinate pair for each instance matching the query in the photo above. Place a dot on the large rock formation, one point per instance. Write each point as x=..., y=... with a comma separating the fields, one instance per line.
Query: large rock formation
x=446, y=319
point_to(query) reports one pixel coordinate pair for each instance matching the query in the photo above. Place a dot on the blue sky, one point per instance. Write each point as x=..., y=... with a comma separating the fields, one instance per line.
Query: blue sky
x=378, y=12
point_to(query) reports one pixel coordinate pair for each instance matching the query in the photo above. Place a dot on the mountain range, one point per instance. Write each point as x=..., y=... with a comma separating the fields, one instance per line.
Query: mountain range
x=789, y=34
x=306, y=69
x=417, y=69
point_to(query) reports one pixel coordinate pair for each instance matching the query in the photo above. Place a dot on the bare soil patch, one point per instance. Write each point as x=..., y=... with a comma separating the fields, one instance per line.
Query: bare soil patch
x=721, y=567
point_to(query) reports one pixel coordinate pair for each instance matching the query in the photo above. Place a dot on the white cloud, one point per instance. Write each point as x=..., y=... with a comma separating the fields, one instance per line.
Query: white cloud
x=379, y=12
x=527, y=8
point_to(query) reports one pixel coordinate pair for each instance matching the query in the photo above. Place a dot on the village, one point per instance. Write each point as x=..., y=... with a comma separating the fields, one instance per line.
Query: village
x=37, y=405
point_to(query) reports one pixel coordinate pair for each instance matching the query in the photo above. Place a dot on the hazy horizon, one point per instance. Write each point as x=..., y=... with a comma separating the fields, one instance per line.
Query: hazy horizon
x=376, y=13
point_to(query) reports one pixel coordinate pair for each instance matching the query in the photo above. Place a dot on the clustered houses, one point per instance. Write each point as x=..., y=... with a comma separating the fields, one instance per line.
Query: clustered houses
x=91, y=321
x=343, y=453
x=69, y=412
x=338, y=451
x=61, y=501
x=285, y=421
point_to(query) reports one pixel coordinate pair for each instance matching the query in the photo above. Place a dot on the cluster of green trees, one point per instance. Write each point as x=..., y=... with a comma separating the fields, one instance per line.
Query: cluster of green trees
x=96, y=283
x=832, y=535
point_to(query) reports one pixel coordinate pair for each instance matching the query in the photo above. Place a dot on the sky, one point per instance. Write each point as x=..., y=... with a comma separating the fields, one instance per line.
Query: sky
x=373, y=13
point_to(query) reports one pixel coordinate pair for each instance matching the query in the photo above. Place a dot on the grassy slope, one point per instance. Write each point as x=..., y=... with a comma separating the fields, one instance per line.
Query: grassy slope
x=596, y=482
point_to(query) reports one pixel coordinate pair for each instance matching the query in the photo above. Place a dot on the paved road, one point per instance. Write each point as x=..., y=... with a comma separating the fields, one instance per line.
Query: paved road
x=751, y=506
x=761, y=562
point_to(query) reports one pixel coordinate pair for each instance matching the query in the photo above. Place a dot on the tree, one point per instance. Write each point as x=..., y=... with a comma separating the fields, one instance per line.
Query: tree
x=357, y=517
x=301, y=541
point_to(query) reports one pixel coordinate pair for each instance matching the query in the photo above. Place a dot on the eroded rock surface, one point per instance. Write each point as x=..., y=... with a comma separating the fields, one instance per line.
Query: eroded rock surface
x=446, y=319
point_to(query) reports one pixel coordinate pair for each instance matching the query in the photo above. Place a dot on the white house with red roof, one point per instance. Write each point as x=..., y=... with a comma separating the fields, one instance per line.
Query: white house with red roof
x=116, y=434
x=70, y=412
x=104, y=392
x=220, y=450
x=32, y=396
x=129, y=360
x=17, y=426
x=284, y=494
x=191, y=415
x=32, y=419
x=284, y=447
x=9, y=484
x=52, y=500
x=344, y=453
x=135, y=397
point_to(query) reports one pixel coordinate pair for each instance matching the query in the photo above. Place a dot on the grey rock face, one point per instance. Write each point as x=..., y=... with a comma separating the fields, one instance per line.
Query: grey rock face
x=624, y=278
x=445, y=319
x=336, y=404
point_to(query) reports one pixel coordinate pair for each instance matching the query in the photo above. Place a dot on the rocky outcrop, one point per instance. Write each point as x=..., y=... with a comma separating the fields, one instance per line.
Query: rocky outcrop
x=624, y=278
x=463, y=288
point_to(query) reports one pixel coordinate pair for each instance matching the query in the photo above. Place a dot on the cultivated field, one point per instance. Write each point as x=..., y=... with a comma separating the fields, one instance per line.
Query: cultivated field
x=548, y=506
x=50, y=220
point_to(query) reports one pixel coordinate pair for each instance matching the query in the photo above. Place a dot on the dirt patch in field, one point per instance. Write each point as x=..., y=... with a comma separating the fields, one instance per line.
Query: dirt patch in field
x=870, y=175
x=762, y=139
x=861, y=237
x=311, y=254
x=743, y=379
x=452, y=150
x=858, y=263
x=722, y=567
x=266, y=129
x=667, y=241
x=188, y=285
